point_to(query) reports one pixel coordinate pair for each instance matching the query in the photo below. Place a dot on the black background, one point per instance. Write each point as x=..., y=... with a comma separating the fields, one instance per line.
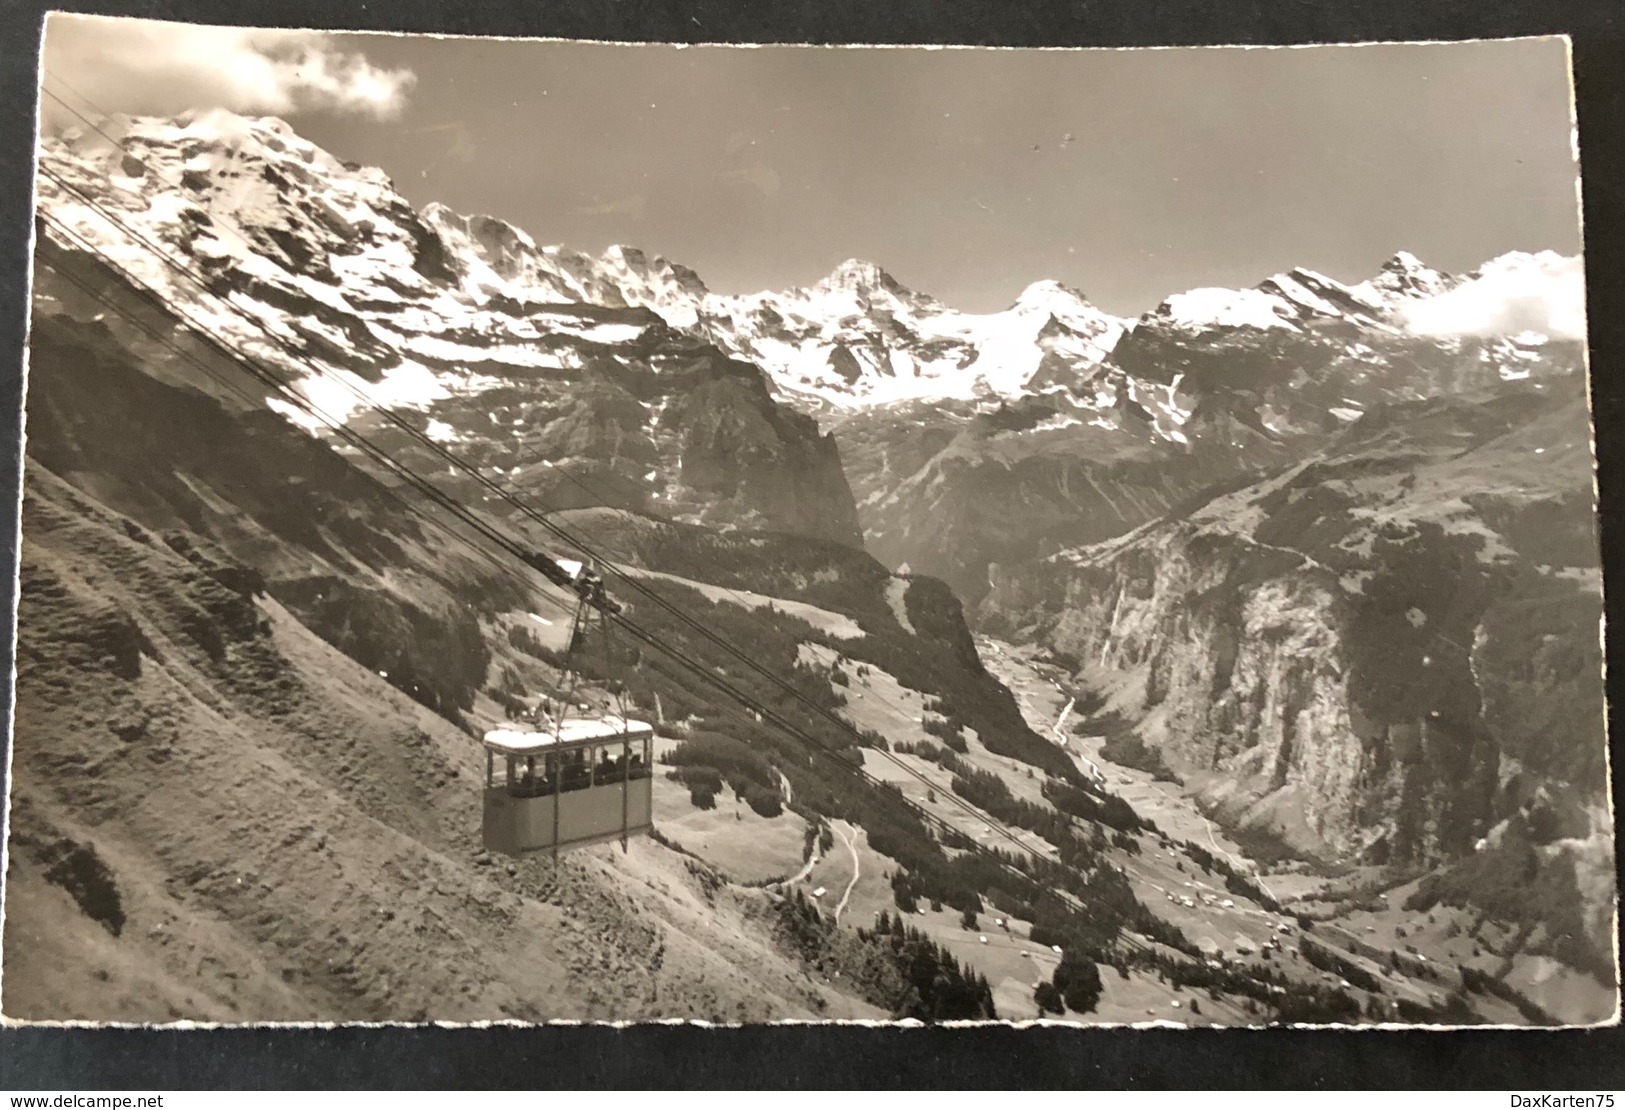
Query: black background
x=674, y=1056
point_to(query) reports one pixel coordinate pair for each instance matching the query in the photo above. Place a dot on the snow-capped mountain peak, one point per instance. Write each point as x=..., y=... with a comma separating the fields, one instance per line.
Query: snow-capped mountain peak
x=1053, y=296
x=856, y=275
x=1210, y=308
x=1402, y=277
x=498, y=257
x=859, y=338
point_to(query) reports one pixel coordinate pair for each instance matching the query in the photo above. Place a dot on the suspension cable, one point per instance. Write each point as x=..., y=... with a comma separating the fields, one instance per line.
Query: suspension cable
x=430, y=490
x=530, y=513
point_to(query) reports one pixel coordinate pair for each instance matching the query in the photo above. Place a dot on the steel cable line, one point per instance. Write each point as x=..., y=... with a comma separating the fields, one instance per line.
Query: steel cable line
x=320, y=414
x=528, y=511
x=256, y=402
x=961, y=804
x=989, y=822
x=439, y=496
x=509, y=494
x=624, y=573
x=310, y=408
x=327, y=419
x=286, y=390
x=699, y=668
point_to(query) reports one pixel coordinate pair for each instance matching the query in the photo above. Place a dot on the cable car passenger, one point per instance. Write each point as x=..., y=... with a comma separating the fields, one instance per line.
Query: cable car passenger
x=577, y=772
x=522, y=776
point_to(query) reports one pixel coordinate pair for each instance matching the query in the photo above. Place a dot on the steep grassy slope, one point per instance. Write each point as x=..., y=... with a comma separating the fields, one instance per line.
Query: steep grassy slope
x=219, y=816
x=242, y=790
x=238, y=790
x=328, y=541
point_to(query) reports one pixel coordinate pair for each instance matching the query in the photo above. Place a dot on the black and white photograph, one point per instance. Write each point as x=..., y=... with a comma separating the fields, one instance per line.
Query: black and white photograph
x=542, y=530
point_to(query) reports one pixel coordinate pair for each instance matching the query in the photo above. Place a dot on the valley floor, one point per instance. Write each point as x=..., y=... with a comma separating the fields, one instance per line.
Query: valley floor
x=1429, y=947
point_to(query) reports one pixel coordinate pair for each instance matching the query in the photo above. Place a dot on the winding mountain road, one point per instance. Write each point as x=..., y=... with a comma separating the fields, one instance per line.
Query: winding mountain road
x=806, y=869
x=857, y=867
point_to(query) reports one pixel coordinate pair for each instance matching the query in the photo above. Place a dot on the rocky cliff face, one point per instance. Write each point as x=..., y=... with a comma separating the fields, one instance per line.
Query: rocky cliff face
x=1380, y=653
x=1211, y=386
x=540, y=364
x=948, y=493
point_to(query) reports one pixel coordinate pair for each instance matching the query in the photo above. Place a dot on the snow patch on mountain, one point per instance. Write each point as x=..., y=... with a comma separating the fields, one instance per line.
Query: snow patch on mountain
x=1209, y=308
x=859, y=338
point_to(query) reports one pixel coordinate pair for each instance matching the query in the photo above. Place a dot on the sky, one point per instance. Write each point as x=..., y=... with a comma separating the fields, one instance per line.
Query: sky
x=966, y=174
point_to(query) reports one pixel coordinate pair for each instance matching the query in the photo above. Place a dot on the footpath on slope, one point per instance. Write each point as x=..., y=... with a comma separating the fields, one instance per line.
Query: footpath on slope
x=840, y=828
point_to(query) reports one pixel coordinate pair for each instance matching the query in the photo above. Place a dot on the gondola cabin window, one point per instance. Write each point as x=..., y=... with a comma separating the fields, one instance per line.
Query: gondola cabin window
x=584, y=782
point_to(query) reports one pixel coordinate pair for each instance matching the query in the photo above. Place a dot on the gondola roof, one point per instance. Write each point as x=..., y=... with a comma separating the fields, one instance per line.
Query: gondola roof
x=574, y=731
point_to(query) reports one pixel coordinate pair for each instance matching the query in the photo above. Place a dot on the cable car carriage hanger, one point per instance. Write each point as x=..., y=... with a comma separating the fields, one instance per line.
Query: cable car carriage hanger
x=583, y=779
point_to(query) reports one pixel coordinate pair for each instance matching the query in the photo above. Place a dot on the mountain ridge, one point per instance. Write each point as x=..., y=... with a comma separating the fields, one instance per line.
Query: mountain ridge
x=808, y=339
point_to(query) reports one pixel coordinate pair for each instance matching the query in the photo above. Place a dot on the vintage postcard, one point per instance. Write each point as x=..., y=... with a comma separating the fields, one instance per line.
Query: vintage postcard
x=522, y=530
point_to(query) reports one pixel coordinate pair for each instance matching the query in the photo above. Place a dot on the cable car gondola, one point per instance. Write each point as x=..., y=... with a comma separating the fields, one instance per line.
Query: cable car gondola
x=584, y=782
x=581, y=780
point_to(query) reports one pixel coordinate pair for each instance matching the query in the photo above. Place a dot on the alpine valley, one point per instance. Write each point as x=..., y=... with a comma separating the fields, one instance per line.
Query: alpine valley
x=1268, y=621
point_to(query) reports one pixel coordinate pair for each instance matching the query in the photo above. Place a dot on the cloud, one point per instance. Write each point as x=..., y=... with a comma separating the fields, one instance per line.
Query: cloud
x=101, y=64
x=1509, y=295
x=620, y=206
x=757, y=175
